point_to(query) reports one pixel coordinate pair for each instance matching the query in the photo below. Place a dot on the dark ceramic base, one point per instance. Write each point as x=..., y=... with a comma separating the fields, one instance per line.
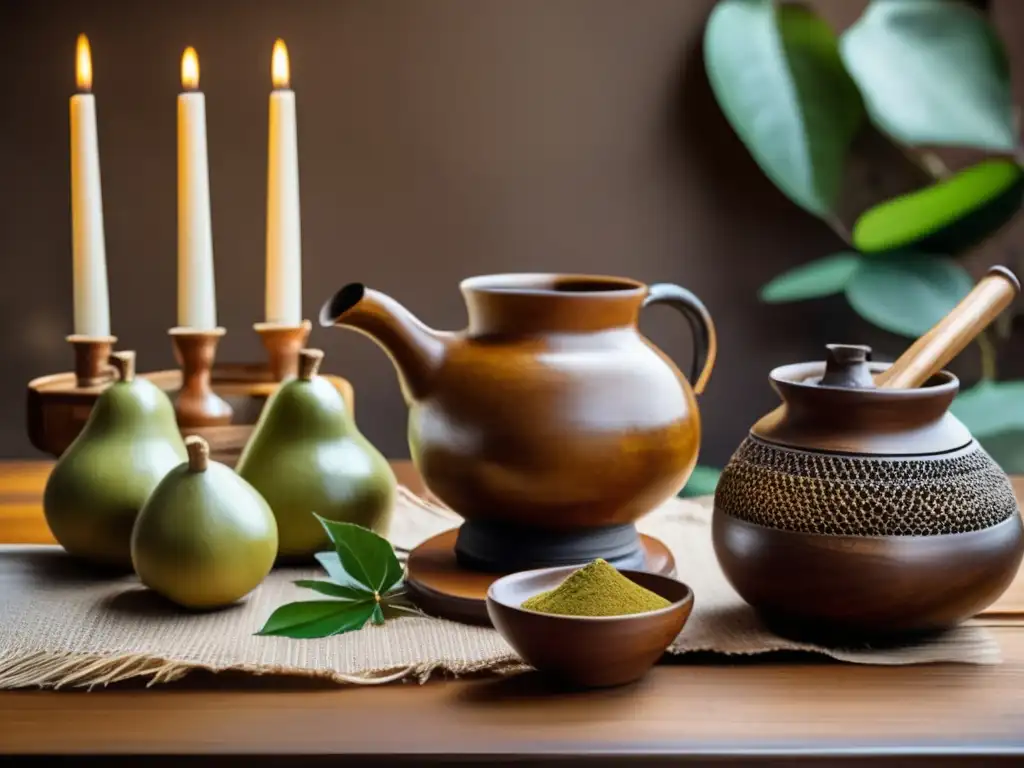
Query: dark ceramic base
x=498, y=548
x=871, y=588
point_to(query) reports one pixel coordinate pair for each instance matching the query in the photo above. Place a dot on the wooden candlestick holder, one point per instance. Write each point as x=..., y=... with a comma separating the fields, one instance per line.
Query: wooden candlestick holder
x=91, y=359
x=57, y=408
x=283, y=343
x=196, y=404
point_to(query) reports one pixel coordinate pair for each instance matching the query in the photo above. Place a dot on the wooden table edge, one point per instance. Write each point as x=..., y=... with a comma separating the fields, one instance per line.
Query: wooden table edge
x=28, y=715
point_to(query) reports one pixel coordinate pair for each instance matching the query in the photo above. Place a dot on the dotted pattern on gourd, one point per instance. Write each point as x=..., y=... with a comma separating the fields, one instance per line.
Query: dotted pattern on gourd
x=846, y=496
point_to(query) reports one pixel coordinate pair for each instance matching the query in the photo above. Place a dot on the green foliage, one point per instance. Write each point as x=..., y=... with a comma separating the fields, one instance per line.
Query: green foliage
x=703, y=481
x=1007, y=449
x=991, y=408
x=932, y=72
x=365, y=556
x=994, y=412
x=366, y=576
x=907, y=295
x=332, y=589
x=778, y=77
x=318, y=618
x=824, y=277
x=948, y=217
x=331, y=564
x=928, y=73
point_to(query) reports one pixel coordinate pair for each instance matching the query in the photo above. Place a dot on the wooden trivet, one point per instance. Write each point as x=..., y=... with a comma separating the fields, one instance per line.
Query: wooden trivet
x=440, y=586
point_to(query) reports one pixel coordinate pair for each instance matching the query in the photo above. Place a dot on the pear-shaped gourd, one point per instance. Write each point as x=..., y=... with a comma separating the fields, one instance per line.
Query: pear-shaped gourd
x=306, y=455
x=99, y=484
x=205, y=538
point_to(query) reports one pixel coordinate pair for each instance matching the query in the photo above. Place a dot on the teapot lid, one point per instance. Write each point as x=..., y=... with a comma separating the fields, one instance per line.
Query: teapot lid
x=846, y=365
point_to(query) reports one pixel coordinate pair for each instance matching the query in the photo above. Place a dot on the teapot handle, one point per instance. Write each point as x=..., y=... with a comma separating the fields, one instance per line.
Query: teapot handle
x=705, y=342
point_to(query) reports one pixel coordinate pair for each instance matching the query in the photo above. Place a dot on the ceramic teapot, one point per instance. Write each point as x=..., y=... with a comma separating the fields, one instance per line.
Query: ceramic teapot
x=550, y=423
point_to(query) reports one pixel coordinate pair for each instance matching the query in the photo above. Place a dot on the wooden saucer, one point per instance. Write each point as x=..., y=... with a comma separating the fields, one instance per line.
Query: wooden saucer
x=441, y=587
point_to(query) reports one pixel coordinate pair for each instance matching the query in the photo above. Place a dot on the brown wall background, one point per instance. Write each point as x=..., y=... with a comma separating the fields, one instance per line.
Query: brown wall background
x=438, y=139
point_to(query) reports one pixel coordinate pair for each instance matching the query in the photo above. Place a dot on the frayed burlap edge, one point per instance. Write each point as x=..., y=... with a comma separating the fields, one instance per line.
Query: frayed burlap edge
x=46, y=669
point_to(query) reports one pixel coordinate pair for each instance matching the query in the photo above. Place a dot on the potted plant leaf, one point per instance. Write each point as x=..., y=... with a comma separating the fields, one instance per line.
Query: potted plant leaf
x=927, y=76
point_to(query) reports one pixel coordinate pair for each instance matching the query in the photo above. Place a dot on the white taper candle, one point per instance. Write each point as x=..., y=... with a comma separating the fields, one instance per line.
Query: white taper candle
x=91, y=301
x=197, y=306
x=284, y=247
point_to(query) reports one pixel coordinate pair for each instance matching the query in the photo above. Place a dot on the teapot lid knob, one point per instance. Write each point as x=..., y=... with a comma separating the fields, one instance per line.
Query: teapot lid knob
x=846, y=365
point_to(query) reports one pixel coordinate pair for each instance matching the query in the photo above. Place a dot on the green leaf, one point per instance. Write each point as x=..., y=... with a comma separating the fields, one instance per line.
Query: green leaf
x=332, y=564
x=994, y=412
x=823, y=277
x=991, y=408
x=1007, y=449
x=368, y=558
x=363, y=567
x=932, y=72
x=318, y=618
x=949, y=217
x=907, y=295
x=342, y=591
x=777, y=74
x=702, y=482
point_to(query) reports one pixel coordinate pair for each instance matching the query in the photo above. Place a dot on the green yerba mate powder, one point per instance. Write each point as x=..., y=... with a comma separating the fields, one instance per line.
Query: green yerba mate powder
x=596, y=589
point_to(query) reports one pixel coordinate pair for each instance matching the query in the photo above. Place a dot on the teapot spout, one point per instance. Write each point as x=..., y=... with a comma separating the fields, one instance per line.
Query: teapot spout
x=416, y=350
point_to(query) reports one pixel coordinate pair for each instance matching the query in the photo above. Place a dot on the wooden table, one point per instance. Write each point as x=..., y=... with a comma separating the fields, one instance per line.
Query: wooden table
x=771, y=710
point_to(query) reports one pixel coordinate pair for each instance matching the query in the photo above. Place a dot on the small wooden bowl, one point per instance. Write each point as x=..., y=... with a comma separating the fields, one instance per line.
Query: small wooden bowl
x=591, y=652
x=58, y=408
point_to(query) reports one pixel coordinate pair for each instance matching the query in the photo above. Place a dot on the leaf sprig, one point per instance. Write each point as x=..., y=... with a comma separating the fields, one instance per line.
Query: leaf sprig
x=366, y=580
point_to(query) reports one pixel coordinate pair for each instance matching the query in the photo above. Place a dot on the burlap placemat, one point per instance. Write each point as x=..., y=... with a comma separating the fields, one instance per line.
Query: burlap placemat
x=59, y=626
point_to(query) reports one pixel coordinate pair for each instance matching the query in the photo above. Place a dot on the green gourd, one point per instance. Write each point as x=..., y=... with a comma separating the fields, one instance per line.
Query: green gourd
x=306, y=455
x=205, y=537
x=99, y=484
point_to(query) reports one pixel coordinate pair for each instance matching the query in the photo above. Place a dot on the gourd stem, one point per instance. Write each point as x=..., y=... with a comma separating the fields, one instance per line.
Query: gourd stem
x=198, y=453
x=309, y=363
x=124, y=364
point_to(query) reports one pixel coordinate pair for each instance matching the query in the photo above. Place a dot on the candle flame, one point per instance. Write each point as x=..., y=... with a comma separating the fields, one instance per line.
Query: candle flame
x=279, y=70
x=83, y=65
x=190, y=69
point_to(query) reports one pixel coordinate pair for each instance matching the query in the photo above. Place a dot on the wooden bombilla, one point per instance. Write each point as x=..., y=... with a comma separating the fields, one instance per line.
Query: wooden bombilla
x=947, y=338
x=930, y=353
